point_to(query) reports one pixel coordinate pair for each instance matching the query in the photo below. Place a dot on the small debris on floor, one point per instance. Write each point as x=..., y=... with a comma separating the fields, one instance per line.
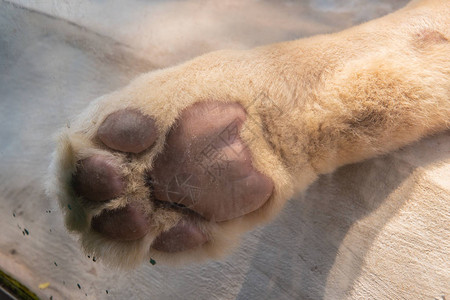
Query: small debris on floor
x=44, y=285
x=79, y=286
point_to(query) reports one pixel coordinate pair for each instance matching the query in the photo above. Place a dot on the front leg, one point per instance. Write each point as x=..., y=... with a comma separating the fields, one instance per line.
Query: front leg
x=362, y=92
x=179, y=163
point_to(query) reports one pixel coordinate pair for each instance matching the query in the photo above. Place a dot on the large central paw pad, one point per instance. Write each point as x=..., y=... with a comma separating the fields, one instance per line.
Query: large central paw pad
x=204, y=173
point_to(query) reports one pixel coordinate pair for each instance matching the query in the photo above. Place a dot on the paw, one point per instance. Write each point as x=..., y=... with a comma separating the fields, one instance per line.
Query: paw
x=171, y=181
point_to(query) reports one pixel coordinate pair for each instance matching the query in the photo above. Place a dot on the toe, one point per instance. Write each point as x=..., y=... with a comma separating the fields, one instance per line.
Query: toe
x=128, y=131
x=183, y=236
x=97, y=179
x=125, y=224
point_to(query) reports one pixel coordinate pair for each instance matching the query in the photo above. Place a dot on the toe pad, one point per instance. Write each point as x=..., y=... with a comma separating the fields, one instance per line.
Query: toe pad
x=125, y=224
x=97, y=179
x=128, y=131
x=181, y=237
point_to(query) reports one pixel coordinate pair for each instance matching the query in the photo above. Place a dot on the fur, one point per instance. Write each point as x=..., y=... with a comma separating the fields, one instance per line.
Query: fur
x=313, y=105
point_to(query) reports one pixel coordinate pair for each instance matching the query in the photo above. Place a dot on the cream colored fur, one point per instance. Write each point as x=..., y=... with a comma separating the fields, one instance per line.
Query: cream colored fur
x=313, y=105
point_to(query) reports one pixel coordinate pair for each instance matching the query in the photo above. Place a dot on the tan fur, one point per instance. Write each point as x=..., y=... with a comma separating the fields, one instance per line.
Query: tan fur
x=313, y=105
